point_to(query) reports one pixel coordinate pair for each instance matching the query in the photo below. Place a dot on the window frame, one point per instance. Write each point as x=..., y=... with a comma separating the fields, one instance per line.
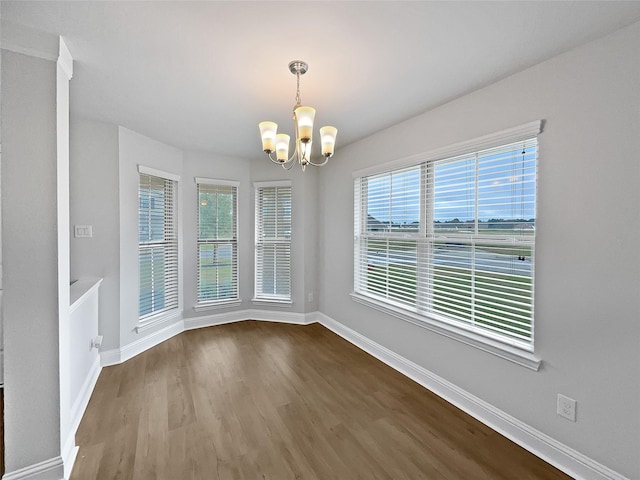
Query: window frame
x=204, y=304
x=276, y=241
x=497, y=344
x=155, y=317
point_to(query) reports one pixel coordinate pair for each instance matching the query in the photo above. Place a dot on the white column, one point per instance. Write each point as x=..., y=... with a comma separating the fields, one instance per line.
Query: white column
x=64, y=72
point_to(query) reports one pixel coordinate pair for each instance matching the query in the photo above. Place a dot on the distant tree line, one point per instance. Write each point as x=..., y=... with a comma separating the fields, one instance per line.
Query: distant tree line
x=491, y=220
x=499, y=223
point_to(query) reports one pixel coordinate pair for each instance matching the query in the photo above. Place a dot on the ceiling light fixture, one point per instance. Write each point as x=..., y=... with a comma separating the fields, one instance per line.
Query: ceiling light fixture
x=303, y=125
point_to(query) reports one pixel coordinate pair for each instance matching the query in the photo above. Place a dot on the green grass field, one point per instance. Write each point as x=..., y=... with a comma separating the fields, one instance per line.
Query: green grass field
x=494, y=301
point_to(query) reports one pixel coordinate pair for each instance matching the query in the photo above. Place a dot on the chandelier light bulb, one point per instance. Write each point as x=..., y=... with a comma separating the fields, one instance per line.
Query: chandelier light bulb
x=328, y=140
x=282, y=147
x=268, y=132
x=303, y=117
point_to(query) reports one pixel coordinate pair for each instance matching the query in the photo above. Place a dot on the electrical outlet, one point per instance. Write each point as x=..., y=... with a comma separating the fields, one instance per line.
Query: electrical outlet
x=96, y=342
x=567, y=407
x=310, y=297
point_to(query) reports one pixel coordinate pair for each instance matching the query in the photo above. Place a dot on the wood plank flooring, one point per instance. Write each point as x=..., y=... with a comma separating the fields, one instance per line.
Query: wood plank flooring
x=1, y=431
x=256, y=400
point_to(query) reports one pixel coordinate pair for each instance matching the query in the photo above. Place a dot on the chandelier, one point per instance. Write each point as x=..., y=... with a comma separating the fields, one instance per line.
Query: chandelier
x=303, y=126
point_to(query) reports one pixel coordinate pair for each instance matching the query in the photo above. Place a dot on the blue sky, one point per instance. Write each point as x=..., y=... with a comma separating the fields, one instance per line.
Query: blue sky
x=502, y=193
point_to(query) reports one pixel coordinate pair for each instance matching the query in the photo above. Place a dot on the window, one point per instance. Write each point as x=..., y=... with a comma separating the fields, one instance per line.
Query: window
x=217, y=241
x=157, y=244
x=273, y=241
x=452, y=240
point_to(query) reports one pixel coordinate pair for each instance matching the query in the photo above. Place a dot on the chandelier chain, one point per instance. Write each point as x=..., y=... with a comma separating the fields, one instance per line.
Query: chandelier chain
x=298, y=101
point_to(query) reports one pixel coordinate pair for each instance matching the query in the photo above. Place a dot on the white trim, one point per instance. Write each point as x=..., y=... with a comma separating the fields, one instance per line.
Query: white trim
x=273, y=183
x=250, y=314
x=81, y=290
x=158, y=173
x=157, y=319
x=46, y=470
x=119, y=355
x=213, y=181
x=203, y=307
x=481, y=341
x=69, y=449
x=276, y=302
x=65, y=60
x=215, y=319
x=543, y=446
x=79, y=407
x=510, y=135
x=69, y=455
x=282, y=317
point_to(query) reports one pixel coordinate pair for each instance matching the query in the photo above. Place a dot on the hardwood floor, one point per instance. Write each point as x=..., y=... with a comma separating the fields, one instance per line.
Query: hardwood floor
x=1, y=431
x=255, y=400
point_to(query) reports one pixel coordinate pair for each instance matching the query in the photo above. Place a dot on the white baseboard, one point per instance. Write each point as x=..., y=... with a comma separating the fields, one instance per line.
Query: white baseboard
x=249, y=314
x=51, y=469
x=556, y=453
x=69, y=456
x=119, y=355
x=69, y=449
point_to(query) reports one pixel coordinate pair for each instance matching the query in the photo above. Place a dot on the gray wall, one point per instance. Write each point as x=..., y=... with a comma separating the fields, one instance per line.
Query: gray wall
x=30, y=253
x=587, y=306
x=94, y=201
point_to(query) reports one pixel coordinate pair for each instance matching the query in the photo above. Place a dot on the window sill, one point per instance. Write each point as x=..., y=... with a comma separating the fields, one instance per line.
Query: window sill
x=510, y=352
x=157, y=320
x=272, y=301
x=202, y=307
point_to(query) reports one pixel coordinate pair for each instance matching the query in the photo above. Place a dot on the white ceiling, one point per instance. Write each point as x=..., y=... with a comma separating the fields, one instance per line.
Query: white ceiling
x=201, y=75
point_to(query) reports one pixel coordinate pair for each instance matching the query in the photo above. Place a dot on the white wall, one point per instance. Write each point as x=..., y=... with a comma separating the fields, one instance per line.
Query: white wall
x=30, y=253
x=94, y=201
x=587, y=264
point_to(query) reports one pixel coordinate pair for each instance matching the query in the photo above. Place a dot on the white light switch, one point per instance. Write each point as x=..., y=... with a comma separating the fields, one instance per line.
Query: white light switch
x=82, y=231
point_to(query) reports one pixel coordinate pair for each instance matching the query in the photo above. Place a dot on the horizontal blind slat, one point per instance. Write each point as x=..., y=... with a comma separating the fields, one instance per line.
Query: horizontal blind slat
x=217, y=242
x=473, y=259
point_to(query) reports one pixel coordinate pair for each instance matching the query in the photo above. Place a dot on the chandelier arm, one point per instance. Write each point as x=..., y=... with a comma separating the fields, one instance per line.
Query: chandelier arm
x=276, y=161
x=271, y=158
x=326, y=159
x=289, y=162
x=292, y=157
x=284, y=165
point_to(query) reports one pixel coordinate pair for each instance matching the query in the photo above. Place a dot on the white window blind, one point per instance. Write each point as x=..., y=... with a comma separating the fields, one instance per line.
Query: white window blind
x=453, y=239
x=157, y=245
x=217, y=242
x=273, y=242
